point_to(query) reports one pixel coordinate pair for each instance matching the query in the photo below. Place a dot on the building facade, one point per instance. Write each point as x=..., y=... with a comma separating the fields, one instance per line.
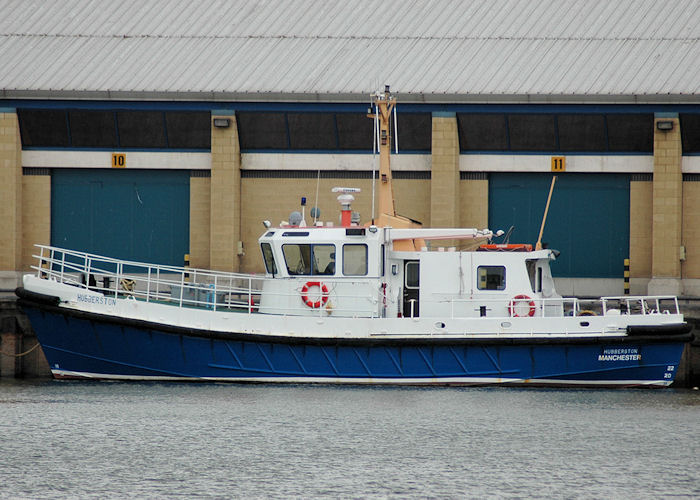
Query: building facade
x=218, y=120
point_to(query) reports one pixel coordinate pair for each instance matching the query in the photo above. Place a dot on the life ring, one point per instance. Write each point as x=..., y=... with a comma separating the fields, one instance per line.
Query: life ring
x=305, y=294
x=521, y=298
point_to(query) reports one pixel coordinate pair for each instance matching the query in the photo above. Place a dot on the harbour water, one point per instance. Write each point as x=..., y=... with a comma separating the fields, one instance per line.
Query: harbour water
x=65, y=439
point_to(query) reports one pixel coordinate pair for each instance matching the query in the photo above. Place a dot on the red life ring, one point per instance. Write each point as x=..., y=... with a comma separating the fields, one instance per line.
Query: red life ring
x=521, y=298
x=305, y=294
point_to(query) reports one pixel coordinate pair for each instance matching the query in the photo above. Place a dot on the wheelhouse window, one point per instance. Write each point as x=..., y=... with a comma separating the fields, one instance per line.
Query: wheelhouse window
x=355, y=259
x=269, y=259
x=306, y=259
x=491, y=278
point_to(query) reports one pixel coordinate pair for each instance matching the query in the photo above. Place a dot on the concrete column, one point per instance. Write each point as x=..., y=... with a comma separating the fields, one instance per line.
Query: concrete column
x=641, y=222
x=444, y=184
x=11, y=196
x=36, y=213
x=667, y=208
x=225, y=213
x=200, y=220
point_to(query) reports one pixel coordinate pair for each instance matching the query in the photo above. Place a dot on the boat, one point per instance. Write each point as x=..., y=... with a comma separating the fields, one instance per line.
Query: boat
x=387, y=302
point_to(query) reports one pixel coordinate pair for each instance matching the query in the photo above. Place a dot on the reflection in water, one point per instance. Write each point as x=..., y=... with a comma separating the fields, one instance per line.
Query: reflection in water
x=78, y=439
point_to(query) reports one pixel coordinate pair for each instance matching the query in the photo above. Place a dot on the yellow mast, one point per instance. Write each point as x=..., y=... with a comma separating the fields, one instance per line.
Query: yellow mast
x=384, y=105
x=386, y=210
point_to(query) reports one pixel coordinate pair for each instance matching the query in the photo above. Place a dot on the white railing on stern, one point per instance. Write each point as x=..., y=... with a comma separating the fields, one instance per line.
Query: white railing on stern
x=186, y=287
x=560, y=307
x=641, y=304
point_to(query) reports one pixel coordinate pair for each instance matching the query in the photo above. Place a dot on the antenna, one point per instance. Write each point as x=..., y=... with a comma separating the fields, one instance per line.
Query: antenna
x=396, y=131
x=315, y=212
x=375, y=143
x=506, y=238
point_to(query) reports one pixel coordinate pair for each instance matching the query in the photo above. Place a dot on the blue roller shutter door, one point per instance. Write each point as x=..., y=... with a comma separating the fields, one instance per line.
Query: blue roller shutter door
x=588, y=219
x=140, y=215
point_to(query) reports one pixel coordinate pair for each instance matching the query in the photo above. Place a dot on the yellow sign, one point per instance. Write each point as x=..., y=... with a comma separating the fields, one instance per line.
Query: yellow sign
x=558, y=163
x=118, y=160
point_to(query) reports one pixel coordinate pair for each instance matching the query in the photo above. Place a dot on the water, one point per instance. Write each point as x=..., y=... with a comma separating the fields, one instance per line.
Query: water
x=111, y=440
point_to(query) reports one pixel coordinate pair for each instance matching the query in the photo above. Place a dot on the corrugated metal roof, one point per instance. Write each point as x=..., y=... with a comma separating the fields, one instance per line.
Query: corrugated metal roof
x=428, y=50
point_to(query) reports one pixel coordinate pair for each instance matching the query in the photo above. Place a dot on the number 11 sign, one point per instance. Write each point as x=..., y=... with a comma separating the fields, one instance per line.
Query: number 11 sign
x=558, y=163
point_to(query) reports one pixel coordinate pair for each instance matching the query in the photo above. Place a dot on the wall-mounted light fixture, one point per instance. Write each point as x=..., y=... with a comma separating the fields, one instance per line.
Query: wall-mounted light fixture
x=664, y=125
x=222, y=122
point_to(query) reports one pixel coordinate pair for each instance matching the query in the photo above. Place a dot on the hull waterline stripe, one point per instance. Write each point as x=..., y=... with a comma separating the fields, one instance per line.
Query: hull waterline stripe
x=371, y=381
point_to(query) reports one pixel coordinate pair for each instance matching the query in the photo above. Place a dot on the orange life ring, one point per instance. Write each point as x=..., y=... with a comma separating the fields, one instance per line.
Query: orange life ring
x=521, y=298
x=305, y=294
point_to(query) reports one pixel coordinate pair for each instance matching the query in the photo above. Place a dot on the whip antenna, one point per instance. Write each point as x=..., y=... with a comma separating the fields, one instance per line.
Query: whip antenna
x=375, y=144
x=316, y=211
x=396, y=131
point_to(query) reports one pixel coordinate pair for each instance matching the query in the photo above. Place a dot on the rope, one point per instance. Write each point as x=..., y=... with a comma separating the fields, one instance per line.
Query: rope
x=20, y=354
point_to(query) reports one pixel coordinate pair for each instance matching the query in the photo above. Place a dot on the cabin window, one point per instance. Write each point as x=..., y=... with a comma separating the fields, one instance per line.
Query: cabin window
x=412, y=278
x=355, y=260
x=309, y=259
x=491, y=277
x=269, y=259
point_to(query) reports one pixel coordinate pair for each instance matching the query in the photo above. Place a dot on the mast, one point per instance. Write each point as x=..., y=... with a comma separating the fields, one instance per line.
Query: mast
x=387, y=217
x=384, y=104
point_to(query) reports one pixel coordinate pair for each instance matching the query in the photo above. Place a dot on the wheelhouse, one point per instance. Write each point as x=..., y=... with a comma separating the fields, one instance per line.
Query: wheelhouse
x=320, y=270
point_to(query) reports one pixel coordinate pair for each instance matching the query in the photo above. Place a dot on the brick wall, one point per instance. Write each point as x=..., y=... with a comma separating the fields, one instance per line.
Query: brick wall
x=36, y=215
x=445, y=185
x=225, y=196
x=641, y=193
x=10, y=193
x=200, y=222
x=667, y=206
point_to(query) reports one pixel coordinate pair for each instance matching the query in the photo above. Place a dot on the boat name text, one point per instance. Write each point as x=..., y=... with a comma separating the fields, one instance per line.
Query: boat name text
x=629, y=354
x=93, y=299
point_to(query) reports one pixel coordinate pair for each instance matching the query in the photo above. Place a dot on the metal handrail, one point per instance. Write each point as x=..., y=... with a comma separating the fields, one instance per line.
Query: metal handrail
x=153, y=282
x=217, y=289
x=633, y=305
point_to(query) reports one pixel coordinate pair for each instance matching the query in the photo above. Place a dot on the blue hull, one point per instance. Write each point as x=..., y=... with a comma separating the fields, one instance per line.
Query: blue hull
x=99, y=347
